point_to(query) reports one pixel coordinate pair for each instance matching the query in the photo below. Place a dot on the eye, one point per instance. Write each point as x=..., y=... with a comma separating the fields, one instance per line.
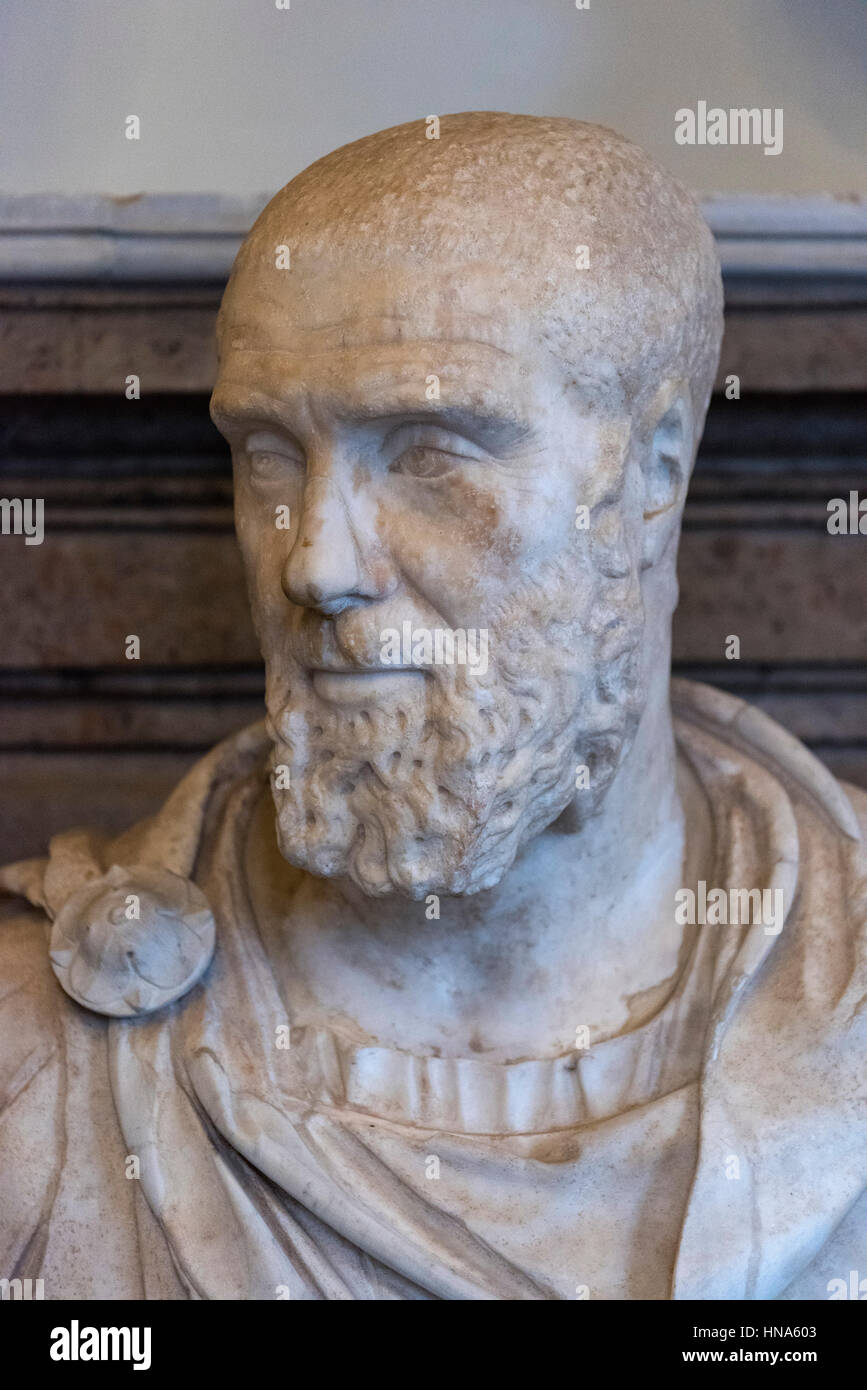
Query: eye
x=423, y=462
x=271, y=458
x=422, y=452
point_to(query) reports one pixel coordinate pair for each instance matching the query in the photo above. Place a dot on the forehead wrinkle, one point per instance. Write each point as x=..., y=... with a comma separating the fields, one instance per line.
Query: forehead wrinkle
x=411, y=344
x=535, y=347
x=255, y=303
x=468, y=381
x=251, y=321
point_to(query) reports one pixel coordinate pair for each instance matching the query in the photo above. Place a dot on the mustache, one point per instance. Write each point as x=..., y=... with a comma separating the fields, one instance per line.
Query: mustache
x=352, y=639
x=319, y=642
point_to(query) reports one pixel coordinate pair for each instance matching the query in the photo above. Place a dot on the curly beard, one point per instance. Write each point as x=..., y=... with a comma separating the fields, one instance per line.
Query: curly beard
x=437, y=791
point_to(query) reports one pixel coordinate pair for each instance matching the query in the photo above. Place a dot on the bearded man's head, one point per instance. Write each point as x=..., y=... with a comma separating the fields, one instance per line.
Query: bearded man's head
x=463, y=379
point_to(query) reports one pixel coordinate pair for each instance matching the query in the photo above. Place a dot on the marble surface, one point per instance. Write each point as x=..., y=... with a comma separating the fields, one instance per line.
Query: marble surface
x=457, y=1039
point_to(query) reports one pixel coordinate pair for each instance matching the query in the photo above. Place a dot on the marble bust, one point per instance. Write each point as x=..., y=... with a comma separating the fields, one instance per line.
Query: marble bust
x=492, y=964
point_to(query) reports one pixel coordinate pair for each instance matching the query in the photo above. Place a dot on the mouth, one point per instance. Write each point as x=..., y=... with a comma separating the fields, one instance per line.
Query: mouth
x=362, y=687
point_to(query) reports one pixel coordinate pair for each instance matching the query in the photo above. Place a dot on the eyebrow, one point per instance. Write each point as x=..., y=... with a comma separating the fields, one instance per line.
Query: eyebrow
x=480, y=418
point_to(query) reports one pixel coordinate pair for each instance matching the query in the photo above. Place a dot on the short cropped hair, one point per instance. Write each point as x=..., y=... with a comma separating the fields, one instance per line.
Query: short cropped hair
x=523, y=194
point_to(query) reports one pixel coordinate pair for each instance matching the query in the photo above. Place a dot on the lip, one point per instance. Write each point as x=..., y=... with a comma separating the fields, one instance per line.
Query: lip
x=359, y=687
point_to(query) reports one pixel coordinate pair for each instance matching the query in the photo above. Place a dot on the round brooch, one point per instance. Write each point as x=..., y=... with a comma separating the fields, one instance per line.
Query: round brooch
x=132, y=941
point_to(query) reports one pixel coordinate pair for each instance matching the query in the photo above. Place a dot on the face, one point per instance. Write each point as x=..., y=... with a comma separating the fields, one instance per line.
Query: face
x=445, y=647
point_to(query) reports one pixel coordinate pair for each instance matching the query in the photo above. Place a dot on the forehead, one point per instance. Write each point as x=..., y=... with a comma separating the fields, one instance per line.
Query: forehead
x=321, y=308
x=346, y=335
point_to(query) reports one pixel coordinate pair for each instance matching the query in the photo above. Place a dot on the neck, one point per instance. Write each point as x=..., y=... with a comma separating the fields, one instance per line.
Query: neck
x=580, y=933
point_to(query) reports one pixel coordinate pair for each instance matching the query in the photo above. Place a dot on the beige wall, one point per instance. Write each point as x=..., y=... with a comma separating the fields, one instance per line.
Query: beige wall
x=237, y=96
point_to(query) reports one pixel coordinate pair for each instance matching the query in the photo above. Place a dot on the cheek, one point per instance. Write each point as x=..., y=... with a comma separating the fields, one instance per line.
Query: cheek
x=264, y=551
x=472, y=538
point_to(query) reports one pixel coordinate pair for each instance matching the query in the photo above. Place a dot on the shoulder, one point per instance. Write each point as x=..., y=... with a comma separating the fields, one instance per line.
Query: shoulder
x=30, y=1041
x=70, y=1214
x=32, y=1084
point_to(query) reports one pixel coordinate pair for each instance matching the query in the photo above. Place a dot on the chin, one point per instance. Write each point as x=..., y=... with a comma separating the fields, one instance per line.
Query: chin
x=425, y=839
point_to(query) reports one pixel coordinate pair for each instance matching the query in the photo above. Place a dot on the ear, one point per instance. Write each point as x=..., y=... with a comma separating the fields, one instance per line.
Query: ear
x=665, y=465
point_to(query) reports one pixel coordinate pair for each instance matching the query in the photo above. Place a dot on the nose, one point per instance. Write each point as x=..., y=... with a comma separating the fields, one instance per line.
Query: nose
x=327, y=568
